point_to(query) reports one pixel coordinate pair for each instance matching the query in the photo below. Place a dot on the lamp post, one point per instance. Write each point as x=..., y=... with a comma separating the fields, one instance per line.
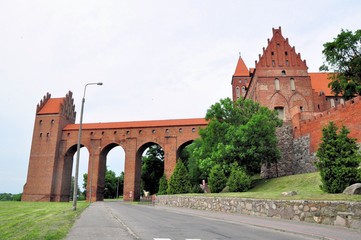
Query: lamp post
x=75, y=193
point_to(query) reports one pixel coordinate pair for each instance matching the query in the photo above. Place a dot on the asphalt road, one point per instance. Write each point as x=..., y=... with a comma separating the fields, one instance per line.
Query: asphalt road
x=119, y=220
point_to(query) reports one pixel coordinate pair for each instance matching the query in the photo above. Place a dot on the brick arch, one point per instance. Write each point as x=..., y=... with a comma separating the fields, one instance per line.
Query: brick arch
x=182, y=146
x=52, y=152
x=297, y=100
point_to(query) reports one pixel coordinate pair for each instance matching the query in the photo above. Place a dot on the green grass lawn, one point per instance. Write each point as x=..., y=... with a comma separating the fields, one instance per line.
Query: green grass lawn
x=37, y=220
x=306, y=186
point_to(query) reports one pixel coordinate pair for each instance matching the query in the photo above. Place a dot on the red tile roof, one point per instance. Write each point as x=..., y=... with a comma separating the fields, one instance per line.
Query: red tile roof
x=241, y=68
x=52, y=106
x=139, y=124
x=320, y=81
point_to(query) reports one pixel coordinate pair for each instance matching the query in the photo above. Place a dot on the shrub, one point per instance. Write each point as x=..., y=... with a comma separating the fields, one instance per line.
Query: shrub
x=339, y=159
x=179, y=182
x=217, y=179
x=238, y=180
x=163, y=185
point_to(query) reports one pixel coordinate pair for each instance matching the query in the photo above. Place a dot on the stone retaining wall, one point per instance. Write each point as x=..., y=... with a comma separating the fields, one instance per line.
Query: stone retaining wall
x=347, y=214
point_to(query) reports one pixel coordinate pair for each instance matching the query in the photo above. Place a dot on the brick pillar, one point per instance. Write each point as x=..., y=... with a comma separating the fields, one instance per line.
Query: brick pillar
x=170, y=155
x=95, y=167
x=132, y=171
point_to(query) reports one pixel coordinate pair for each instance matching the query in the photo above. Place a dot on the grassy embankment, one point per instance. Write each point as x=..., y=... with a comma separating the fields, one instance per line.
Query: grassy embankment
x=306, y=186
x=37, y=220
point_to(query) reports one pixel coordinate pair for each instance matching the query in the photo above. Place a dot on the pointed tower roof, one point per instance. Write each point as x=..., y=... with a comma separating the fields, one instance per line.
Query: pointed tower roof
x=241, y=68
x=280, y=54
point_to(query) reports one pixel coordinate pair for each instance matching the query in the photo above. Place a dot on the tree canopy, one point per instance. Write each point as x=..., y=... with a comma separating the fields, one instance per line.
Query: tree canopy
x=343, y=56
x=240, y=131
x=339, y=158
x=152, y=168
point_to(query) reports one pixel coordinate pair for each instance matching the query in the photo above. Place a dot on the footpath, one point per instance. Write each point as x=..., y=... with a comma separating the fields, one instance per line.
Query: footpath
x=99, y=222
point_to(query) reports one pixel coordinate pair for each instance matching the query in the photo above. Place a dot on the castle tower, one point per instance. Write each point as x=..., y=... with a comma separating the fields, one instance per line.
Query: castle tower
x=52, y=115
x=240, y=80
x=280, y=80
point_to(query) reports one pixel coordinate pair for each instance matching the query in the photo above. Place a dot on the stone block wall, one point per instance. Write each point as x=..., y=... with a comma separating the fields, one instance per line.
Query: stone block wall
x=340, y=213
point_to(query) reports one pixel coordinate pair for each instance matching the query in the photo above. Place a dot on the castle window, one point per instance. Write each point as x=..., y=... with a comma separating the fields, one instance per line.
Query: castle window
x=193, y=129
x=278, y=45
x=283, y=73
x=292, y=83
x=41, y=134
x=318, y=106
x=272, y=53
x=128, y=132
x=238, y=93
x=115, y=132
x=140, y=131
x=52, y=121
x=286, y=53
x=281, y=112
x=167, y=130
x=273, y=63
x=301, y=108
x=333, y=102
x=180, y=130
x=153, y=131
x=40, y=122
x=243, y=91
x=287, y=63
x=277, y=84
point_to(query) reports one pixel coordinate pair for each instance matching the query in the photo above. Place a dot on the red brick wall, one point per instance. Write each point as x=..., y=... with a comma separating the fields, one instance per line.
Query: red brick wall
x=348, y=114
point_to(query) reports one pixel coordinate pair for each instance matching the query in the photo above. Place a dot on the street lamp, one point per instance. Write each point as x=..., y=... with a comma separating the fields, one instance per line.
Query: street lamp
x=75, y=193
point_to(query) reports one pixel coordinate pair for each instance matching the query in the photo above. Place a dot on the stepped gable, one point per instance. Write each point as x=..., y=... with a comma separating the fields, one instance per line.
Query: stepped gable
x=279, y=54
x=64, y=106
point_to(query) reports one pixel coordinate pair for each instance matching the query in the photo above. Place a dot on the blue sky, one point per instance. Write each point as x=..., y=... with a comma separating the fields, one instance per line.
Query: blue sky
x=157, y=59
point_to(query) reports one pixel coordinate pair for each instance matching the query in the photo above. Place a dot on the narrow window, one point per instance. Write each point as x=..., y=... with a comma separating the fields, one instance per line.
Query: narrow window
x=332, y=102
x=273, y=63
x=292, y=83
x=40, y=122
x=180, y=130
x=140, y=131
x=281, y=112
x=193, y=129
x=287, y=63
x=283, y=73
x=153, y=131
x=318, y=106
x=52, y=121
x=243, y=91
x=272, y=53
x=277, y=84
x=167, y=130
x=301, y=108
x=286, y=53
x=238, y=93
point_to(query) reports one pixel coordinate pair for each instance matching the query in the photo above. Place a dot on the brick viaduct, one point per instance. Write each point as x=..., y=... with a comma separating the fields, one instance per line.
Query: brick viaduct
x=54, y=145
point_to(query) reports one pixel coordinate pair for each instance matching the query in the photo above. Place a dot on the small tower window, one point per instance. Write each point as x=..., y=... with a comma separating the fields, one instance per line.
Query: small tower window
x=238, y=92
x=287, y=63
x=273, y=63
x=286, y=53
x=277, y=84
x=272, y=53
x=292, y=83
x=243, y=91
x=283, y=73
x=281, y=113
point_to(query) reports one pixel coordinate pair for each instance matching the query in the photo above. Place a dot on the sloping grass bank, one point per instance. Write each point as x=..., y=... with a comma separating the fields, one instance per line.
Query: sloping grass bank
x=37, y=220
x=306, y=186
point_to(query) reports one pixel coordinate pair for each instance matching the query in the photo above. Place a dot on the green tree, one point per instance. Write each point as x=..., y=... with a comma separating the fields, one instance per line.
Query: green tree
x=152, y=168
x=343, y=56
x=217, y=179
x=339, y=158
x=242, y=132
x=238, y=180
x=179, y=181
x=163, y=185
x=110, y=185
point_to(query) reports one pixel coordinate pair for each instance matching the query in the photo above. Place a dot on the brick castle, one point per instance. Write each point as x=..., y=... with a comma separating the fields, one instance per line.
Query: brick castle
x=280, y=80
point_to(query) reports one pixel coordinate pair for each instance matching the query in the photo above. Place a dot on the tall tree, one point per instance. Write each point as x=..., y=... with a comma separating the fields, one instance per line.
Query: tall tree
x=339, y=158
x=152, y=168
x=179, y=181
x=242, y=132
x=343, y=56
